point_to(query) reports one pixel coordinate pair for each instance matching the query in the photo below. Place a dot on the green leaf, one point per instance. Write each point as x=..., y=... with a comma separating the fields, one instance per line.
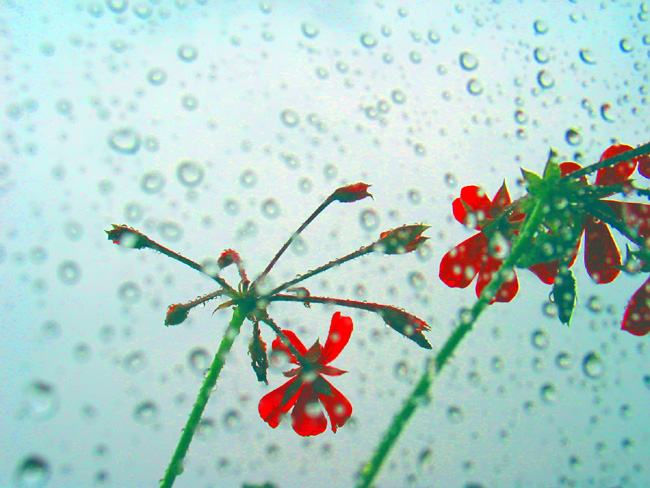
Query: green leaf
x=564, y=294
x=552, y=173
x=532, y=181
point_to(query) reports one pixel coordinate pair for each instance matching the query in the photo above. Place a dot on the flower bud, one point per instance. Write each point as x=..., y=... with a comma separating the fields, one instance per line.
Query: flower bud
x=176, y=314
x=228, y=257
x=125, y=236
x=351, y=193
x=406, y=324
x=401, y=240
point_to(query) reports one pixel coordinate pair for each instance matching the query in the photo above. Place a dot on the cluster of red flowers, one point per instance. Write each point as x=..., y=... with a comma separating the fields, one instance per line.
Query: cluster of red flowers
x=499, y=220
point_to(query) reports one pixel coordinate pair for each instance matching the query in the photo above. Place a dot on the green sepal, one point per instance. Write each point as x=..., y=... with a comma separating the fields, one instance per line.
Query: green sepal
x=552, y=173
x=292, y=391
x=322, y=387
x=532, y=181
x=564, y=294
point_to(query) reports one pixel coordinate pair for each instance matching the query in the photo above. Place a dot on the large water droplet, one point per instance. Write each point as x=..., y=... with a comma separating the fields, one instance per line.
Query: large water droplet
x=369, y=220
x=41, y=400
x=289, y=118
x=124, y=140
x=190, y=173
x=32, y=472
x=593, y=366
x=468, y=61
x=368, y=40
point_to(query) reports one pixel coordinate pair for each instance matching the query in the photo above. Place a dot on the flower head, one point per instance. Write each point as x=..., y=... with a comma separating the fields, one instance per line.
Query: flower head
x=351, y=193
x=307, y=387
x=406, y=238
x=482, y=253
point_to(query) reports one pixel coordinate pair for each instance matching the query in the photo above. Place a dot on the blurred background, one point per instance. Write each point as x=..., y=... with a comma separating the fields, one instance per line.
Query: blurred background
x=221, y=124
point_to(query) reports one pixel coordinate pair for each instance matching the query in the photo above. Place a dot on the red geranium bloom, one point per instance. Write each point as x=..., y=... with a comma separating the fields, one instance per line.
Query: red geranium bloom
x=308, y=387
x=637, y=315
x=473, y=256
x=602, y=257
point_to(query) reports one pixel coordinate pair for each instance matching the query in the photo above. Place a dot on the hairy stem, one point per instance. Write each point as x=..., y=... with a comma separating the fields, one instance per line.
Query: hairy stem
x=420, y=394
x=176, y=464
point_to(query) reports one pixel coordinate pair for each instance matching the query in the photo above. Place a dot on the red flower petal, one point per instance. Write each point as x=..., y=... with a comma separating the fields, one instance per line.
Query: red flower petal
x=546, y=271
x=569, y=167
x=474, y=198
x=338, y=407
x=271, y=406
x=601, y=253
x=278, y=345
x=508, y=289
x=307, y=417
x=337, y=339
x=637, y=315
x=635, y=215
x=460, y=265
x=620, y=171
x=644, y=165
x=500, y=201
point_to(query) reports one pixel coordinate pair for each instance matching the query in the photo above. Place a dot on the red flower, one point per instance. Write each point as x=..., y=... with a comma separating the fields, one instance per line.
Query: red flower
x=477, y=255
x=351, y=193
x=602, y=257
x=308, y=387
x=637, y=315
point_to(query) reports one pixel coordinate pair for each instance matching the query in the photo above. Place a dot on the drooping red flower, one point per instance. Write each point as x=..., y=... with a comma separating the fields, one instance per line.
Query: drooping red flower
x=474, y=255
x=307, y=387
x=637, y=314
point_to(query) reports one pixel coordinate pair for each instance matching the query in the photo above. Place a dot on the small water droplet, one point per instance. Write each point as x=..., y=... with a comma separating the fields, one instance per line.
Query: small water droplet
x=309, y=30
x=573, y=137
x=587, y=56
x=232, y=420
x=398, y=96
x=369, y=220
x=548, y=393
x=145, y=412
x=540, y=27
x=124, y=140
x=152, y=182
x=545, y=79
x=455, y=414
x=289, y=118
x=135, y=361
x=368, y=40
x=41, y=400
x=248, y=179
x=69, y=272
x=541, y=56
x=594, y=304
x=625, y=45
x=129, y=292
x=32, y=472
x=474, y=87
x=540, y=339
x=563, y=360
x=270, y=208
x=156, y=76
x=417, y=280
x=433, y=36
x=190, y=173
x=593, y=366
x=189, y=102
x=187, y=53
x=206, y=429
x=231, y=207
x=170, y=230
x=199, y=360
x=468, y=61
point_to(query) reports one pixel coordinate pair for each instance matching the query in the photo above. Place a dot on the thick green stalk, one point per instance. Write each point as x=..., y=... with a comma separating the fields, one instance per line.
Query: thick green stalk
x=420, y=394
x=176, y=464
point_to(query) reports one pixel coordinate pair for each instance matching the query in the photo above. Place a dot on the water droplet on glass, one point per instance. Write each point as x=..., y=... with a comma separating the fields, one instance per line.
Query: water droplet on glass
x=69, y=272
x=187, y=53
x=368, y=40
x=474, y=86
x=545, y=79
x=398, y=96
x=145, y=412
x=124, y=140
x=129, y=292
x=548, y=393
x=73, y=230
x=206, y=429
x=199, y=360
x=135, y=361
x=152, y=182
x=626, y=45
x=414, y=196
x=587, y=56
x=563, y=360
x=41, y=400
x=172, y=231
x=82, y=352
x=270, y=208
x=594, y=304
x=419, y=149
x=455, y=414
x=541, y=56
x=309, y=30
x=156, y=76
x=540, y=339
x=290, y=159
x=433, y=36
x=305, y=185
x=593, y=366
x=540, y=27
x=190, y=173
x=606, y=112
x=32, y=472
x=342, y=66
x=402, y=371
x=417, y=280
x=189, y=102
x=468, y=61
x=289, y=118
x=573, y=137
x=499, y=246
x=369, y=220
x=232, y=420
x=231, y=207
x=248, y=179
x=415, y=57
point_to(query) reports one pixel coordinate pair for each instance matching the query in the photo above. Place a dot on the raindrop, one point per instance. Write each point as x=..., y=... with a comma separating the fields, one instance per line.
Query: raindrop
x=117, y=6
x=124, y=140
x=330, y=171
x=142, y=10
x=322, y=72
x=541, y=56
x=369, y=220
x=231, y=207
x=309, y=30
x=289, y=118
x=499, y=246
x=521, y=117
x=606, y=112
x=549, y=309
x=468, y=61
x=398, y=96
x=199, y=360
x=305, y=185
x=540, y=27
x=419, y=149
x=290, y=159
x=415, y=57
x=417, y=280
x=626, y=45
x=342, y=66
x=299, y=246
x=368, y=40
x=232, y=420
x=129, y=292
x=545, y=79
x=69, y=272
x=187, y=53
x=402, y=371
x=152, y=182
x=414, y=196
x=189, y=102
x=592, y=366
x=73, y=230
x=270, y=208
x=81, y=352
x=33, y=472
x=41, y=400
x=455, y=414
x=190, y=173
x=170, y=230
x=145, y=412
x=587, y=56
x=474, y=86
x=135, y=361
x=206, y=429
x=563, y=360
x=540, y=339
x=594, y=304
x=450, y=180
x=433, y=36
x=573, y=137
x=548, y=393
x=248, y=179
x=64, y=106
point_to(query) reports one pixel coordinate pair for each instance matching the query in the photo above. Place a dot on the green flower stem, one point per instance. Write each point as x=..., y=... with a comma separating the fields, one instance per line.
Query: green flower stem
x=625, y=156
x=176, y=464
x=420, y=394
